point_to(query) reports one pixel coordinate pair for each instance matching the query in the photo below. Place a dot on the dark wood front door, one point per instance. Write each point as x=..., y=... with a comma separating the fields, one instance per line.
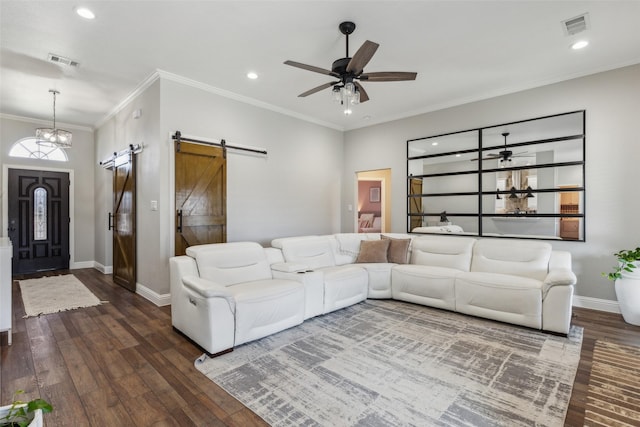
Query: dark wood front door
x=201, y=195
x=124, y=221
x=38, y=206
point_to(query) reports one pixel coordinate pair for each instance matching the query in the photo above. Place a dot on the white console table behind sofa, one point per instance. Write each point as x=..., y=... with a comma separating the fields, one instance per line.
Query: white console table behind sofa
x=6, y=252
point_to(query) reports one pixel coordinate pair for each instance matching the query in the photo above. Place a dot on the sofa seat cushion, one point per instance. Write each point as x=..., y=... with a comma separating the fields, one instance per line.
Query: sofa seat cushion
x=502, y=297
x=264, y=307
x=379, y=279
x=344, y=285
x=426, y=285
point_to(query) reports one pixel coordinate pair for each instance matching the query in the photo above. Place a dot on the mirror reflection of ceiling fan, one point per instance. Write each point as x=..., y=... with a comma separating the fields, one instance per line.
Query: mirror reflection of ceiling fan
x=504, y=155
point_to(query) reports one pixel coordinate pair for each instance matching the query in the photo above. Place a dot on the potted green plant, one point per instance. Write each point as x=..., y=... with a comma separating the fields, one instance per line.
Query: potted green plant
x=627, y=284
x=24, y=414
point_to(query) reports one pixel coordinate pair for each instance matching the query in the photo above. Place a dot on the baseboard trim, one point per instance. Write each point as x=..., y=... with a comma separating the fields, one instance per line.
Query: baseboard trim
x=81, y=264
x=596, y=304
x=104, y=269
x=158, y=299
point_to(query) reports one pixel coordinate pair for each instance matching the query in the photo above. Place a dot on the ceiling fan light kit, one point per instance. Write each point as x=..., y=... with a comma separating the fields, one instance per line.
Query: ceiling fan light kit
x=347, y=90
x=53, y=137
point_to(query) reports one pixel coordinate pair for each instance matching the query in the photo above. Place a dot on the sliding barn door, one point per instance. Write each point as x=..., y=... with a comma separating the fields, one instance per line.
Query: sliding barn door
x=124, y=221
x=415, y=203
x=201, y=195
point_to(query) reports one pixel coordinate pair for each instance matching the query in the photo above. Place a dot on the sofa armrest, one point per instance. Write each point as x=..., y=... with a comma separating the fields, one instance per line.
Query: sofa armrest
x=558, y=277
x=290, y=267
x=208, y=289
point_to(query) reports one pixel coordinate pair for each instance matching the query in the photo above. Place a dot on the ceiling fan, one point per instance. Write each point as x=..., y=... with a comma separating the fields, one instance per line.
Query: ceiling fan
x=349, y=71
x=504, y=155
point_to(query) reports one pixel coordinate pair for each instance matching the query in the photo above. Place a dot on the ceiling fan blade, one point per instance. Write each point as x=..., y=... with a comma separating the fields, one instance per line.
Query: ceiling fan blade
x=388, y=76
x=317, y=89
x=362, y=57
x=363, y=93
x=489, y=156
x=311, y=68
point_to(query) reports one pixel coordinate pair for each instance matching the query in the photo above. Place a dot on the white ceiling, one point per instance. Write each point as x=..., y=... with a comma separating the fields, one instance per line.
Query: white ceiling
x=462, y=51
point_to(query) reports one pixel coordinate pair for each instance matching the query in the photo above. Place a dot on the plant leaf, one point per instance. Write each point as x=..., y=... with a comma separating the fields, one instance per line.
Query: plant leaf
x=39, y=404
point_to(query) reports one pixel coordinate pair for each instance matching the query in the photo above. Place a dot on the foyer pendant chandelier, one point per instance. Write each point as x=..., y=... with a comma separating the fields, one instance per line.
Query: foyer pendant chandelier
x=54, y=137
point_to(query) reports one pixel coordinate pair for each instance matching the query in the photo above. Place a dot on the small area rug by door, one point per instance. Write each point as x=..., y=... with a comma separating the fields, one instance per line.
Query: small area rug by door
x=389, y=363
x=613, y=396
x=52, y=294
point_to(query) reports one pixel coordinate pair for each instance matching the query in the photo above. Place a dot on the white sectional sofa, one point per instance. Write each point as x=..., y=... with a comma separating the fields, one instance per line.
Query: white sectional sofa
x=227, y=294
x=515, y=281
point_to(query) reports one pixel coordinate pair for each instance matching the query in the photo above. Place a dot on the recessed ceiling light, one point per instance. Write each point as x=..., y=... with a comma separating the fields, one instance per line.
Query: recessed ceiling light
x=85, y=13
x=251, y=75
x=458, y=155
x=579, y=44
x=434, y=143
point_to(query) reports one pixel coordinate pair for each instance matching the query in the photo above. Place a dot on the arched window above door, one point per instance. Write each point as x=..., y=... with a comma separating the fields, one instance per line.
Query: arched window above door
x=30, y=149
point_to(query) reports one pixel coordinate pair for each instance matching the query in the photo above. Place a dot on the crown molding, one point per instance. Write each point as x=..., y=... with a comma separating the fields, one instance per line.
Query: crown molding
x=244, y=99
x=494, y=94
x=161, y=74
x=45, y=122
x=135, y=93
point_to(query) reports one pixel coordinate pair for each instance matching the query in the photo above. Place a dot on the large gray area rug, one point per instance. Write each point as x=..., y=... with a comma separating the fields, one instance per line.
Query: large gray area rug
x=389, y=363
x=53, y=294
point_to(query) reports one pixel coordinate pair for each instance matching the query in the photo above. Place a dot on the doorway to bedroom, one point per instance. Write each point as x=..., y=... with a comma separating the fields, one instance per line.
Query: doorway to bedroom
x=373, y=201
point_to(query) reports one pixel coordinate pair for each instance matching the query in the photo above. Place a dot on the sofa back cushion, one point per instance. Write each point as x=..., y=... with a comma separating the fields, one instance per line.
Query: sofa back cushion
x=346, y=246
x=230, y=263
x=440, y=251
x=312, y=251
x=516, y=257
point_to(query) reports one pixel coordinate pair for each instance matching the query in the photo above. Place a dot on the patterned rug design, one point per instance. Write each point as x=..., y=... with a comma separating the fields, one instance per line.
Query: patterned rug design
x=389, y=363
x=52, y=294
x=614, y=386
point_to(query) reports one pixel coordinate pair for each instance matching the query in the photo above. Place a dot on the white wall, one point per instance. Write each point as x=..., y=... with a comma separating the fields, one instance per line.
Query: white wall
x=115, y=135
x=612, y=102
x=82, y=217
x=293, y=190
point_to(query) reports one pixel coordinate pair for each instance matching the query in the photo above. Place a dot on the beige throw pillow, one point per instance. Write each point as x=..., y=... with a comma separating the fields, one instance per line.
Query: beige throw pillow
x=373, y=251
x=398, y=249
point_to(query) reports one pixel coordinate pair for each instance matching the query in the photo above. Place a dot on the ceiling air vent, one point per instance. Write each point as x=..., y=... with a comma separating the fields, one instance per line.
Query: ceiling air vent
x=576, y=25
x=62, y=60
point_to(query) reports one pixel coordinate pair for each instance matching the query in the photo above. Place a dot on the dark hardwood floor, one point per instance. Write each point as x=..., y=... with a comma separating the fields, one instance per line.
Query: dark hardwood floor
x=121, y=363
